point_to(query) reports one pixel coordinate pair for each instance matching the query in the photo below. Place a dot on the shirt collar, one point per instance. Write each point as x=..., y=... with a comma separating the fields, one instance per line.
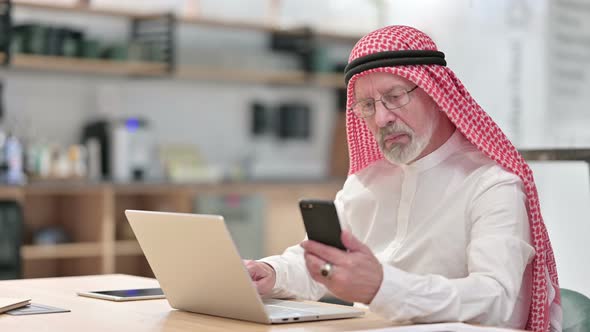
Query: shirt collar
x=437, y=156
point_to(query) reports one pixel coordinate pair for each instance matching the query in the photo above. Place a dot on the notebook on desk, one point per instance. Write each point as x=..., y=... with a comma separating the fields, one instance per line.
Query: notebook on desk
x=8, y=303
x=199, y=269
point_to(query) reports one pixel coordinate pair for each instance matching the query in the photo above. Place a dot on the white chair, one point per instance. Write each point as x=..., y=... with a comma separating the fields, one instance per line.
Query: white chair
x=564, y=194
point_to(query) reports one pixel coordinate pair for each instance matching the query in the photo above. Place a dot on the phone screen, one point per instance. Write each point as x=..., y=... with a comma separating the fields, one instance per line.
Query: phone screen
x=321, y=222
x=132, y=292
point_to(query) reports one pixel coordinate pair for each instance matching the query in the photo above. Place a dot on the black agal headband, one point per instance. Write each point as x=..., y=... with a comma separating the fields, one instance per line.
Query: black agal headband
x=392, y=59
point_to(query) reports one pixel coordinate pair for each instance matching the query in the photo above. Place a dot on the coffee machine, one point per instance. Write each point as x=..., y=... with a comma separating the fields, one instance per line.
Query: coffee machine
x=126, y=148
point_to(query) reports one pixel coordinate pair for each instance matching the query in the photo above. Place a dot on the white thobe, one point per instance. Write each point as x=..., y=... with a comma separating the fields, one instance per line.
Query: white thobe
x=450, y=230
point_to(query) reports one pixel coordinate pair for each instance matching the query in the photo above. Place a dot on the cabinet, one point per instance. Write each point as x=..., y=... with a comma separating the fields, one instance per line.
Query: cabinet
x=100, y=240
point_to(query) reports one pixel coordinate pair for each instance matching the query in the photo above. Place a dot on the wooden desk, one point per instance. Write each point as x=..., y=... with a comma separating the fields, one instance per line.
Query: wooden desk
x=90, y=315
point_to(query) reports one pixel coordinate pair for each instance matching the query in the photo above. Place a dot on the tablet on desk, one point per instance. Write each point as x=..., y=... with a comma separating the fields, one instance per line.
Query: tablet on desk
x=126, y=294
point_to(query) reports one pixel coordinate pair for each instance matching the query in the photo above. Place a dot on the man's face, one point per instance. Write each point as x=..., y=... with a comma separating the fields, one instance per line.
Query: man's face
x=402, y=133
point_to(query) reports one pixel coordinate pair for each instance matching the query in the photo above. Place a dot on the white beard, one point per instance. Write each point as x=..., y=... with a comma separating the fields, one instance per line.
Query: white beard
x=400, y=153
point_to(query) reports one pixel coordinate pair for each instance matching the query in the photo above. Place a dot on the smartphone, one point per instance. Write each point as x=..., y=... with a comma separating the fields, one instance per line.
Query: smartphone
x=321, y=222
x=126, y=294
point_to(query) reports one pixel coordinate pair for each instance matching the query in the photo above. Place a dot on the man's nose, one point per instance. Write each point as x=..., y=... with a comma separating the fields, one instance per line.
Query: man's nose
x=383, y=116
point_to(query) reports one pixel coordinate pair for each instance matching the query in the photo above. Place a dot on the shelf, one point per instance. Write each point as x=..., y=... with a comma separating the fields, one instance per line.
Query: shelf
x=105, y=67
x=338, y=36
x=127, y=248
x=143, y=68
x=258, y=76
x=76, y=65
x=96, y=221
x=239, y=75
x=83, y=9
x=330, y=80
x=62, y=187
x=67, y=250
x=9, y=192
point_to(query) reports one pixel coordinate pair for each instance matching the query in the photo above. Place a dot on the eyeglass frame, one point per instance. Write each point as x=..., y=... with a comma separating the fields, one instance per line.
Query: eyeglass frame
x=407, y=92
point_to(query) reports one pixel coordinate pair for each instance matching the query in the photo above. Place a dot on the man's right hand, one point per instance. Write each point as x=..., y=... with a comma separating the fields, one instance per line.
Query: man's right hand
x=263, y=275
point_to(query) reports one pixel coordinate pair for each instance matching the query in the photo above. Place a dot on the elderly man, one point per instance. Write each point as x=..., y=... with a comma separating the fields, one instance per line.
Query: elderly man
x=441, y=215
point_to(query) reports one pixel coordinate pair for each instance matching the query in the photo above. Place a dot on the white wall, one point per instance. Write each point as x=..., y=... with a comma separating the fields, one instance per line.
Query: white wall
x=568, y=64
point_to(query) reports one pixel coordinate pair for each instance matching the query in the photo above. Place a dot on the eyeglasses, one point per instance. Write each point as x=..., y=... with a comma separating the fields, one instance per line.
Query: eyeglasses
x=392, y=100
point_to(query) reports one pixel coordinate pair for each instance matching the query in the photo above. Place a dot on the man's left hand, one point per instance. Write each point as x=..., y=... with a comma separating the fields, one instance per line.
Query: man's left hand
x=356, y=274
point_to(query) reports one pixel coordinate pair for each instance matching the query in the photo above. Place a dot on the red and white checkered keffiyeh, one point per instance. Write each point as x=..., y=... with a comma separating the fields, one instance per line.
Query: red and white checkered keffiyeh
x=451, y=96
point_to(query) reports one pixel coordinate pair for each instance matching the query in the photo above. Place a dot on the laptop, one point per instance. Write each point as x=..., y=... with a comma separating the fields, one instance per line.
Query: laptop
x=199, y=269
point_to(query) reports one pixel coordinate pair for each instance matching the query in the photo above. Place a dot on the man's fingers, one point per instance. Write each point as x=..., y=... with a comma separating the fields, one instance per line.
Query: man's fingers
x=249, y=264
x=314, y=264
x=260, y=283
x=325, y=252
x=352, y=243
x=256, y=271
x=263, y=286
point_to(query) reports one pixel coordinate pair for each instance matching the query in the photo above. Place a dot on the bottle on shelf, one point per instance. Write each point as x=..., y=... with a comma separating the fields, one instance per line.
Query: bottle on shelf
x=13, y=154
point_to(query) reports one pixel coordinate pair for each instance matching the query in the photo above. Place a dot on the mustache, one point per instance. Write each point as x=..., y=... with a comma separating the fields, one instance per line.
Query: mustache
x=397, y=128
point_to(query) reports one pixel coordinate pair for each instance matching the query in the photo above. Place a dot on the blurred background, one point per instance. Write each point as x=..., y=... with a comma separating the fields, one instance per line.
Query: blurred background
x=237, y=108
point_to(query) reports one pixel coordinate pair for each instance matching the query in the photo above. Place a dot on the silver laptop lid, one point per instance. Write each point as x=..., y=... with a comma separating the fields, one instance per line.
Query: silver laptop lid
x=197, y=264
